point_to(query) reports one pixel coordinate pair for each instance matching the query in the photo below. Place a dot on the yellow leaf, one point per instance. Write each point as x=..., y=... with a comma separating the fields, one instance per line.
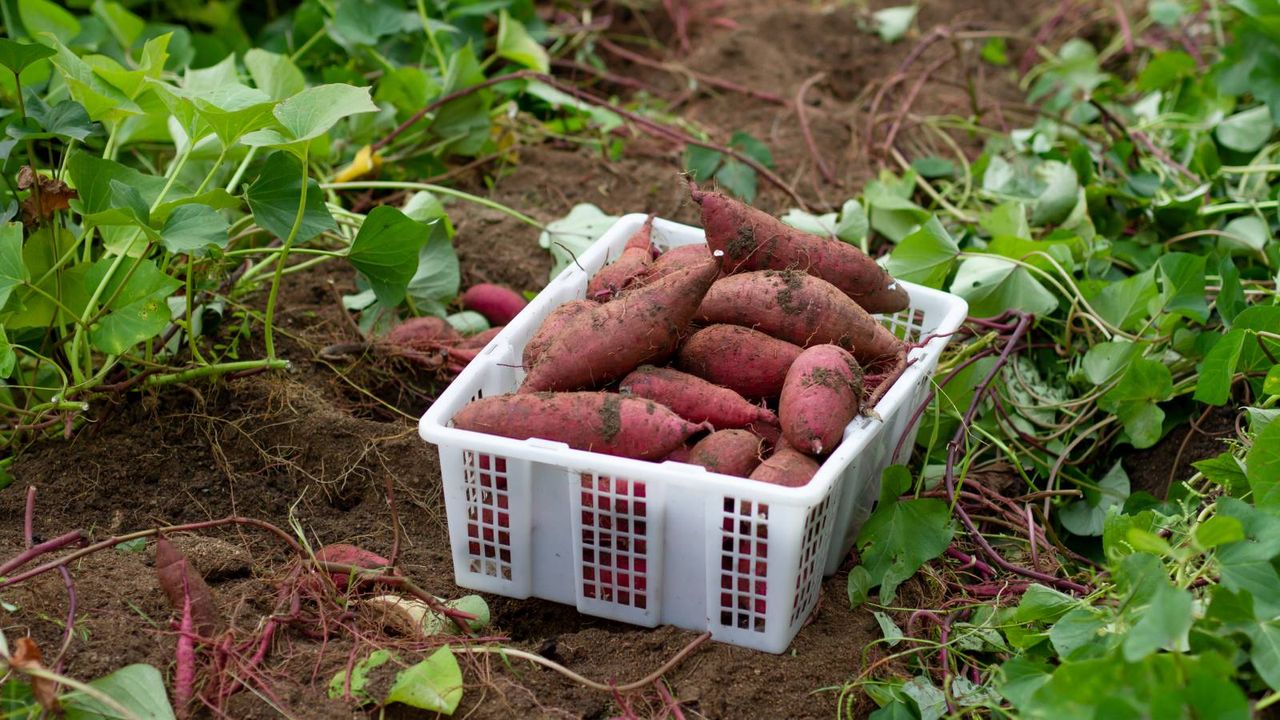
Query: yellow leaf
x=364, y=163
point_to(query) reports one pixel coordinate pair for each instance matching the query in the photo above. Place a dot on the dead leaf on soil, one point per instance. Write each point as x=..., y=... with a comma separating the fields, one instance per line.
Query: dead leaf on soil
x=27, y=656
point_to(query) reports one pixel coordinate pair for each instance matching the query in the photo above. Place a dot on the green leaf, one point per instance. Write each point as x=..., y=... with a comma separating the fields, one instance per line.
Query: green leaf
x=889, y=630
x=1133, y=400
x=1218, y=530
x=1124, y=303
x=359, y=676
x=67, y=120
x=385, y=251
x=435, y=684
x=1271, y=383
x=101, y=100
x=364, y=22
x=124, y=25
x=571, y=235
x=859, y=586
x=929, y=700
x=8, y=358
x=1265, y=652
x=701, y=163
x=1245, y=234
x=738, y=178
x=1080, y=634
x=1166, y=68
x=1224, y=470
x=139, y=310
x=517, y=45
x=311, y=113
x=993, y=285
x=1043, y=604
x=17, y=56
x=274, y=196
x=276, y=75
x=1060, y=195
x=1103, y=360
x=1008, y=219
x=901, y=536
x=1247, y=565
x=42, y=16
x=435, y=283
x=473, y=605
x=1213, y=384
x=748, y=145
x=926, y=256
x=892, y=24
x=1263, y=467
x=1231, y=296
x=996, y=51
x=1246, y=131
x=126, y=199
x=138, y=688
x=93, y=176
x=1163, y=624
x=193, y=229
x=1086, y=517
x=1182, y=293
x=933, y=167
x=895, y=710
x=13, y=270
x=1021, y=677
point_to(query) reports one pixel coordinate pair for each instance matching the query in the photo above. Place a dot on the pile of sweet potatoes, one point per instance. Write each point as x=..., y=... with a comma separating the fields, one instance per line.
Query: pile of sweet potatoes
x=748, y=355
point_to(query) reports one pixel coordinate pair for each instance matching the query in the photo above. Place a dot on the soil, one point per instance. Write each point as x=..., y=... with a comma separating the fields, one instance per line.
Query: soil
x=317, y=446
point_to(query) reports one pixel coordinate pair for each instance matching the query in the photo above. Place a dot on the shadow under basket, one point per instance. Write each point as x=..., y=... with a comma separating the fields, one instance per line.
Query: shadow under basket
x=664, y=543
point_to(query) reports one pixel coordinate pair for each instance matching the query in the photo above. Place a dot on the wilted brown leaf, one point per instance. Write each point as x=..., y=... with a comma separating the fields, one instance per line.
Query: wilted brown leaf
x=27, y=656
x=47, y=197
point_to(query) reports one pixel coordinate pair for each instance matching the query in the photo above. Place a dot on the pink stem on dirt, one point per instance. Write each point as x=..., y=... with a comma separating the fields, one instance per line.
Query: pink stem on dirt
x=35, y=551
x=971, y=561
x=184, y=672
x=668, y=702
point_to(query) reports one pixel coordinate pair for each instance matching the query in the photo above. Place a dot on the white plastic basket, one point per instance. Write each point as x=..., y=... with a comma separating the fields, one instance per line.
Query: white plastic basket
x=662, y=543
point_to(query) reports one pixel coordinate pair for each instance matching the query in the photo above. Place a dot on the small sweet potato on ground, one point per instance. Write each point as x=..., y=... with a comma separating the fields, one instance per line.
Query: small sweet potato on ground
x=604, y=343
x=498, y=304
x=755, y=240
x=693, y=398
x=343, y=554
x=799, y=308
x=601, y=422
x=819, y=398
x=747, y=361
x=731, y=452
x=631, y=265
x=421, y=334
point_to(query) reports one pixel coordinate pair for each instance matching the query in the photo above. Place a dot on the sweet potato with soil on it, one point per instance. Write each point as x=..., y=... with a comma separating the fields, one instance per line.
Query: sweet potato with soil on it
x=799, y=308
x=421, y=334
x=747, y=361
x=819, y=398
x=550, y=329
x=755, y=240
x=479, y=340
x=179, y=580
x=693, y=398
x=643, y=325
x=498, y=304
x=680, y=454
x=731, y=452
x=786, y=466
x=344, y=554
x=770, y=433
x=600, y=422
x=631, y=265
x=676, y=258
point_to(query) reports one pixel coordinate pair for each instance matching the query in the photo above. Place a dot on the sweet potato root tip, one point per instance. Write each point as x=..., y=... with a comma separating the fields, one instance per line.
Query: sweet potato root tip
x=182, y=585
x=498, y=304
x=604, y=343
x=819, y=398
x=601, y=422
x=755, y=240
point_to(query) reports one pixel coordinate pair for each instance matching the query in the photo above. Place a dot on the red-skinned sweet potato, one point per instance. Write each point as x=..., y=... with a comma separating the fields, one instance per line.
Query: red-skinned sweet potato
x=631, y=265
x=747, y=361
x=643, y=325
x=755, y=240
x=421, y=334
x=498, y=304
x=601, y=422
x=479, y=340
x=680, y=454
x=799, y=308
x=731, y=452
x=186, y=589
x=676, y=258
x=344, y=554
x=550, y=328
x=786, y=466
x=770, y=433
x=693, y=398
x=819, y=398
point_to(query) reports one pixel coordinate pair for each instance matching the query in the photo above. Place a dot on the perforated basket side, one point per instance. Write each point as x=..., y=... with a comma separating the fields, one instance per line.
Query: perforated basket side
x=617, y=547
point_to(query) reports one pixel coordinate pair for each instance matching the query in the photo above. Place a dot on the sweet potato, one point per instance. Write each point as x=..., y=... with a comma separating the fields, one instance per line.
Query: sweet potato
x=550, y=328
x=676, y=258
x=747, y=361
x=693, y=398
x=632, y=264
x=498, y=304
x=608, y=341
x=597, y=421
x=479, y=340
x=755, y=240
x=770, y=433
x=185, y=588
x=422, y=334
x=819, y=398
x=731, y=452
x=799, y=308
x=343, y=554
x=680, y=454
x=786, y=466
